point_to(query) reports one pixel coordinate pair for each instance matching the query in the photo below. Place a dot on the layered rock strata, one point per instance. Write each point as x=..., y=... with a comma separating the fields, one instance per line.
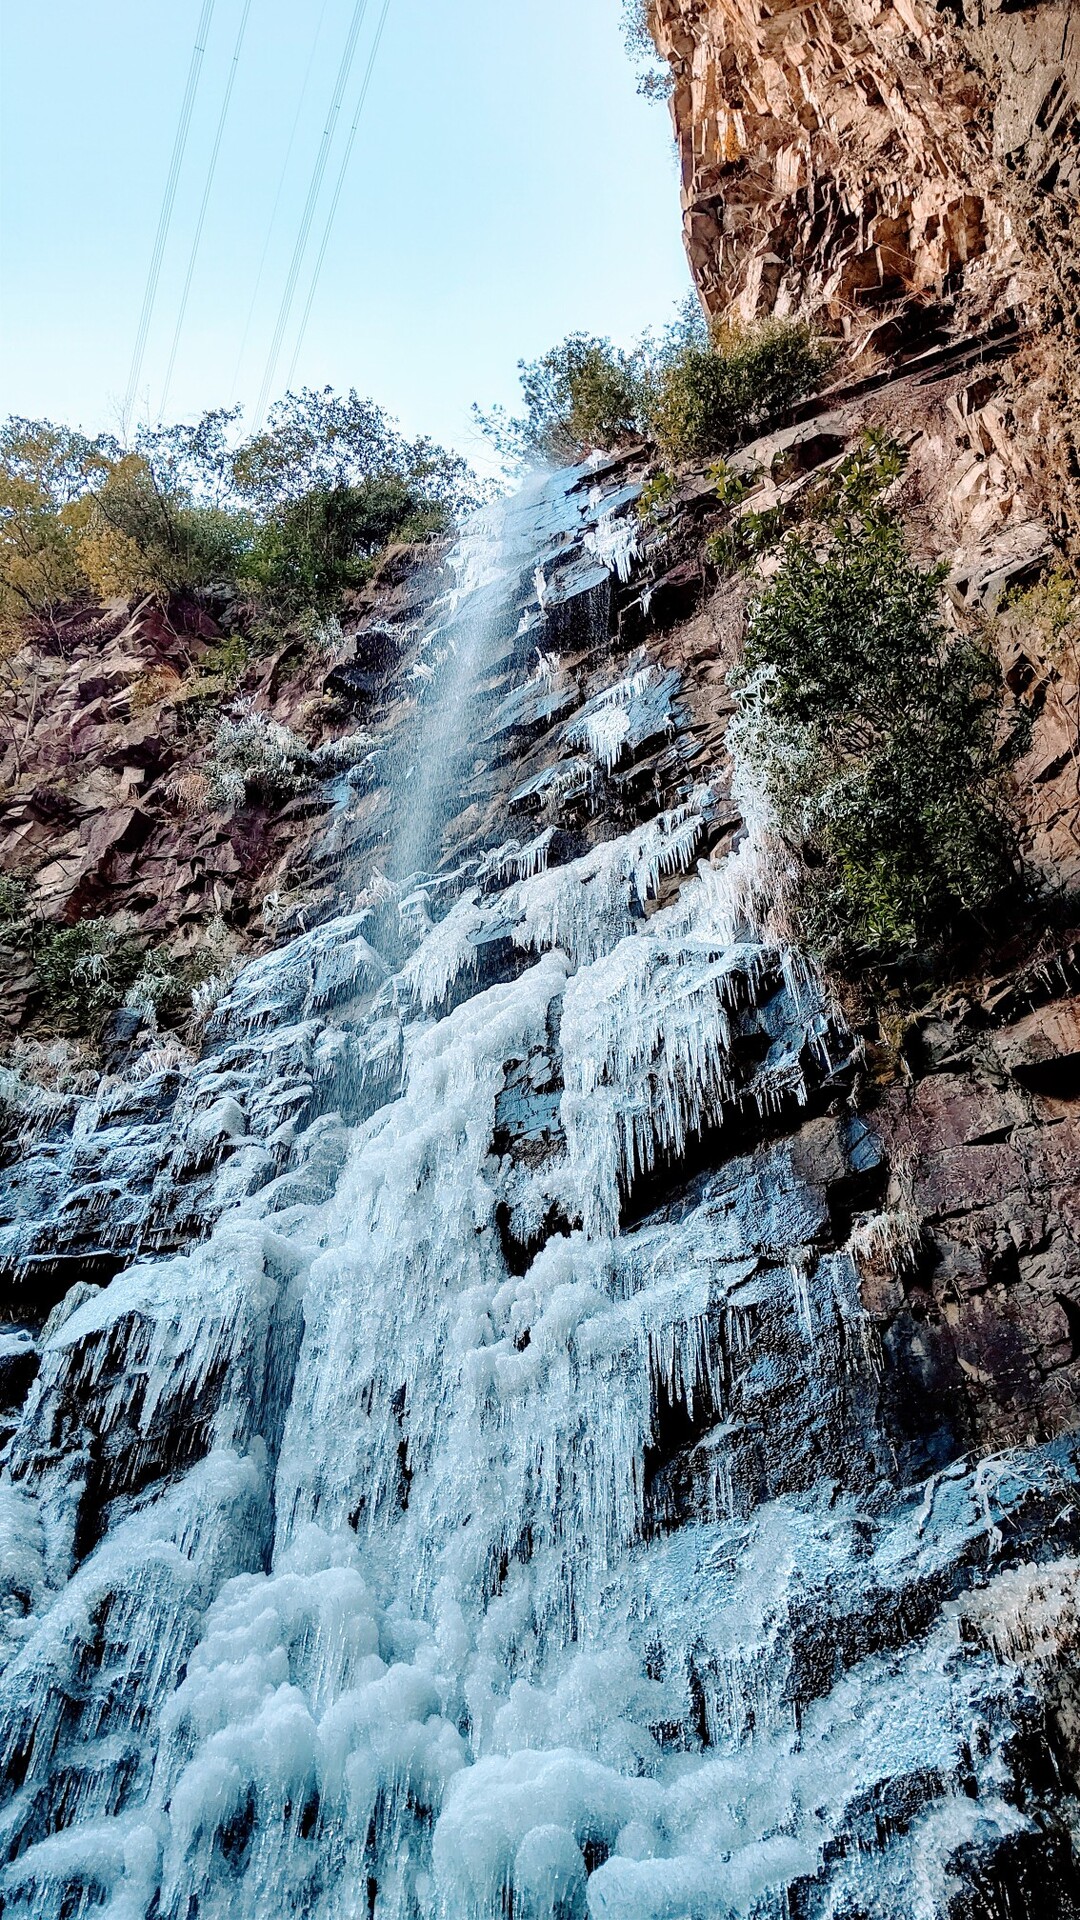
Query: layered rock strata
x=842, y=157
x=570, y=1443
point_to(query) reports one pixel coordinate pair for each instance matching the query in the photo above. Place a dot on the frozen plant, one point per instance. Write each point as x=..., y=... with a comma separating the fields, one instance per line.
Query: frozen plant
x=254, y=757
x=339, y=755
x=157, y=983
x=166, y=1058
x=58, y=1066
x=208, y=994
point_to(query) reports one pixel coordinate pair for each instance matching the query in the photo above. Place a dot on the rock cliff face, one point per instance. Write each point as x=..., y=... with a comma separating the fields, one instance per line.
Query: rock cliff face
x=892, y=168
x=908, y=176
x=103, y=804
x=541, y=1415
x=843, y=156
x=540, y=1409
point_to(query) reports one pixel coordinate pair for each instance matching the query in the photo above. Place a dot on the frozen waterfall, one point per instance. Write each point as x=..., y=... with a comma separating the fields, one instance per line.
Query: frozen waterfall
x=487, y=1514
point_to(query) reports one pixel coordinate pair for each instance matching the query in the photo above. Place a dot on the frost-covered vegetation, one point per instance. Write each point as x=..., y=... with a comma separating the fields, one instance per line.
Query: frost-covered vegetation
x=252, y=758
x=694, y=390
x=876, y=733
x=86, y=971
x=83, y=971
x=253, y=755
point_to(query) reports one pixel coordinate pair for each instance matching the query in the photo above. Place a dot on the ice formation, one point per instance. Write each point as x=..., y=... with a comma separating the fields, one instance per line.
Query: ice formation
x=621, y=717
x=463, y=1525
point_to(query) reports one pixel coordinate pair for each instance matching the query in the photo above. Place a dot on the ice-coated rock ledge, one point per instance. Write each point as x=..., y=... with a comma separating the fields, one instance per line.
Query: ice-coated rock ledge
x=488, y=1507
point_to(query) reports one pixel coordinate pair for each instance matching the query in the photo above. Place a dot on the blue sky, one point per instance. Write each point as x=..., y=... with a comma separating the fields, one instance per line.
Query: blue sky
x=507, y=185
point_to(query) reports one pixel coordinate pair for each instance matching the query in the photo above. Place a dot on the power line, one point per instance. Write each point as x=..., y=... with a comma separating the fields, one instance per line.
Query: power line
x=277, y=198
x=342, y=170
x=214, y=151
x=340, y=84
x=175, y=164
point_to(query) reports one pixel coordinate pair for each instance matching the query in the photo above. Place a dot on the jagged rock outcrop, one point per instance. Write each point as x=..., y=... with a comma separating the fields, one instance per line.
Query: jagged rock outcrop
x=525, y=1468
x=841, y=156
x=908, y=176
x=104, y=804
x=892, y=169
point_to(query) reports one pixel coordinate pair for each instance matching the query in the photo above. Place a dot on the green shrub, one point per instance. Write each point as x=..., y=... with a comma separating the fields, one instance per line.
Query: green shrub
x=707, y=397
x=656, y=497
x=582, y=396
x=321, y=440
x=1046, y=617
x=875, y=735
x=310, y=551
x=851, y=492
x=161, y=540
x=694, y=392
x=84, y=972
x=14, y=908
x=221, y=669
x=165, y=517
x=294, y=514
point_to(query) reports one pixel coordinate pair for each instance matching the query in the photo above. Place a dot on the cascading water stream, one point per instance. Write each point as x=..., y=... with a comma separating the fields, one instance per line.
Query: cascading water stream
x=489, y=1516
x=476, y=622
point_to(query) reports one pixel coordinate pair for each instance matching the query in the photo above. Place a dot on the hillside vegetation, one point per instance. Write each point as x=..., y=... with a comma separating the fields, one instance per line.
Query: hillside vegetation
x=292, y=517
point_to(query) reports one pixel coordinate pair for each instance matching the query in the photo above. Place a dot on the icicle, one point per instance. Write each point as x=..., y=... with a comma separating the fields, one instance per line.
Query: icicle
x=428, y=1542
x=622, y=717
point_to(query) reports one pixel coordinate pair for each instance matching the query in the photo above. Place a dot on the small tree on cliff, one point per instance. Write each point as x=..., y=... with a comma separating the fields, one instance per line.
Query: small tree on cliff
x=582, y=395
x=696, y=390
x=293, y=516
x=877, y=737
x=44, y=472
x=332, y=481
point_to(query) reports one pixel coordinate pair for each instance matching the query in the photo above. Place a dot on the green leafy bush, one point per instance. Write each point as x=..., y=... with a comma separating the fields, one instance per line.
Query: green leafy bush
x=321, y=440
x=707, y=397
x=693, y=391
x=84, y=972
x=584, y=394
x=310, y=551
x=656, y=497
x=291, y=516
x=875, y=735
x=852, y=490
x=173, y=544
x=1046, y=618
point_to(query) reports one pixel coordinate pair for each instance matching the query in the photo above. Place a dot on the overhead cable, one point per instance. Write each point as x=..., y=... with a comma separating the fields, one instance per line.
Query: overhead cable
x=342, y=170
x=210, y=171
x=277, y=199
x=179, y=146
x=323, y=155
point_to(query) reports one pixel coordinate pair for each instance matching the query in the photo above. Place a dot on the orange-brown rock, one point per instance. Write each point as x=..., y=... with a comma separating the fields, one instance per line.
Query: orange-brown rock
x=843, y=156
